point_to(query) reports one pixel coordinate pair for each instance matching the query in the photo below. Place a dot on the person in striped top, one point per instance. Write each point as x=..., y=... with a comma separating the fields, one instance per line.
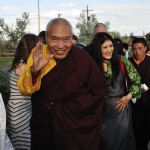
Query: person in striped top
x=19, y=106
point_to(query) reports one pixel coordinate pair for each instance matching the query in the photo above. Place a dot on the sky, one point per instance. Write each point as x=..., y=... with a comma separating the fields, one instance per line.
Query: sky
x=124, y=16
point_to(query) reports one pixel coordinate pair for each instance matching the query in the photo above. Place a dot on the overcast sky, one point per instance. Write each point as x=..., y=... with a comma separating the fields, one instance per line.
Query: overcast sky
x=125, y=16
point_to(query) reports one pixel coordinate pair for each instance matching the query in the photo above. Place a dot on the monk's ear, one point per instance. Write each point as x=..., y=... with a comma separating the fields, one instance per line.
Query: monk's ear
x=145, y=48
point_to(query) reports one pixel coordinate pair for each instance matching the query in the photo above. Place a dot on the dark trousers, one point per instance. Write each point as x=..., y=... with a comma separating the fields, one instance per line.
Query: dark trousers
x=141, y=124
x=41, y=132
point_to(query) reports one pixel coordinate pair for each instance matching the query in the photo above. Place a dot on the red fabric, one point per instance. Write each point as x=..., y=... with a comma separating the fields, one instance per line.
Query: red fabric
x=124, y=73
x=73, y=92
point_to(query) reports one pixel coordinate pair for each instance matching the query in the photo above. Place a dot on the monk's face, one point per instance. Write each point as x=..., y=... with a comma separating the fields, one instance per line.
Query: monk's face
x=139, y=50
x=59, y=40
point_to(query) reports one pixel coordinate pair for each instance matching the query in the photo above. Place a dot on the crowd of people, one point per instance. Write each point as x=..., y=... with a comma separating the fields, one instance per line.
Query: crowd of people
x=66, y=96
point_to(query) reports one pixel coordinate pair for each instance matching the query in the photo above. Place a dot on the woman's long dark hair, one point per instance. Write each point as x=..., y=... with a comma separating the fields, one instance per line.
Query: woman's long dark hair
x=97, y=42
x=23, y=50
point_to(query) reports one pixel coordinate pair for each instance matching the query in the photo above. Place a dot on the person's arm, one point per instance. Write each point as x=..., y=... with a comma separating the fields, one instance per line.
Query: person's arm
x=135, y=87
x=25, y=83
x=135, y=79
x=35, y=69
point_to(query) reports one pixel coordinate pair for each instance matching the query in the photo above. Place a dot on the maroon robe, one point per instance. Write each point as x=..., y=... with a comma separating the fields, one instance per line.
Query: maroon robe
x=68, y=107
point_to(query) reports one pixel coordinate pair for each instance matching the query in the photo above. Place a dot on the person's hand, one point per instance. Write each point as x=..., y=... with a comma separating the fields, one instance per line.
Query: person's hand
x=39, y=61
x=123, y=102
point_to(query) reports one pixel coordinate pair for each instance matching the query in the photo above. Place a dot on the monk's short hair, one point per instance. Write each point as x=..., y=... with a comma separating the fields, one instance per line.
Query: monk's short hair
x=58, y=20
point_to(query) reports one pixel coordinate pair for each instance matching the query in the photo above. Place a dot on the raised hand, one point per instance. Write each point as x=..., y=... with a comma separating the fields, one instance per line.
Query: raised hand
x=39, y=60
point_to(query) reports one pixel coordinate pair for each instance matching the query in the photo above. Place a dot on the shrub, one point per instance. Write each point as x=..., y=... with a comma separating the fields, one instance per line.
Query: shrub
x=4, y=85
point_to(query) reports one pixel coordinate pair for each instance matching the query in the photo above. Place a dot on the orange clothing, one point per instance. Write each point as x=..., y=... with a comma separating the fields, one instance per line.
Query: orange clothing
x=24, y=84
x=138, y=61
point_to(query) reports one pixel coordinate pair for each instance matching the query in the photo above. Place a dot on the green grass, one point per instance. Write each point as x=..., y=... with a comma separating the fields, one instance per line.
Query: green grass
x=5, y=62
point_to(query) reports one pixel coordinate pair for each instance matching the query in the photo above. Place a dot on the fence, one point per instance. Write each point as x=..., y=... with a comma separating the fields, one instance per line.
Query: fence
x=6, y=55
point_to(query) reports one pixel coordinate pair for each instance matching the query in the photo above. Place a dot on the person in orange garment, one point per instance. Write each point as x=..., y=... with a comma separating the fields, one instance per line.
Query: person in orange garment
x=67, y=90
x=141, y=110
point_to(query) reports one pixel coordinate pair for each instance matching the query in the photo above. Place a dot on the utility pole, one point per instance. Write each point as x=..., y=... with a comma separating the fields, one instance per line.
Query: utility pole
x=38, y=16
x=87, y=10
x=59, y=15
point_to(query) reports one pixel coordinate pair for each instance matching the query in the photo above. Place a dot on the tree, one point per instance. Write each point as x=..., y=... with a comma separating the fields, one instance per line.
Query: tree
x=107, y=23
x=12, y=33
x=115, y=34
x=148, y=38
x=86, y=27
x=4, y=85
x=1, y=35
x=125, y=38
x=131, y=34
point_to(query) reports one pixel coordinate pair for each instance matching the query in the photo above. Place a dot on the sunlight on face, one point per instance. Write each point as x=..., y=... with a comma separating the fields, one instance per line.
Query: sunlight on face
x=107, y=49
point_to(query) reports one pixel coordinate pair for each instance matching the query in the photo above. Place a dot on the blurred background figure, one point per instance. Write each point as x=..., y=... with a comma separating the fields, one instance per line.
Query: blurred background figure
x=75, y=42
x=130, y=53
x=125, y=49
x=119, y=46
x=74, y=39
x=99, y=27
x=19, y=106
x=148, y=52
x=41, y=36
x=82, y=46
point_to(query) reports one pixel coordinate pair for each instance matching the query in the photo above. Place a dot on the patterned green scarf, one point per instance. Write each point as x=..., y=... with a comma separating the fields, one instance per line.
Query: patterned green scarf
x=108, y=73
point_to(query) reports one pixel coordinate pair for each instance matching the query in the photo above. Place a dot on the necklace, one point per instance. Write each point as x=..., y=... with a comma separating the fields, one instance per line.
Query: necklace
x=105, y=62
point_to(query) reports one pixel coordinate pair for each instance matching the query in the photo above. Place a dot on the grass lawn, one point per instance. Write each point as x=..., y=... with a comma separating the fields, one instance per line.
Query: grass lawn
x=5, y=62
